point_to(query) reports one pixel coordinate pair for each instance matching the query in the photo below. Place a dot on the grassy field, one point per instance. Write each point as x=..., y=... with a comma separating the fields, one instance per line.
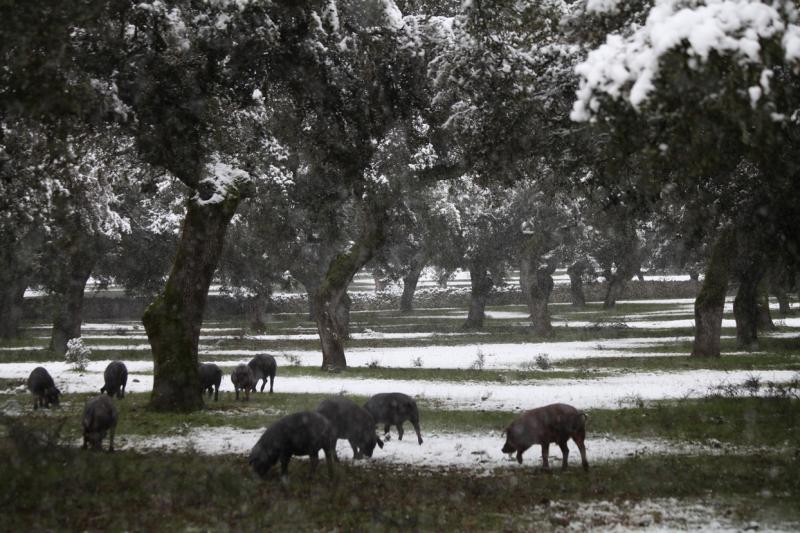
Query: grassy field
x=740, y=468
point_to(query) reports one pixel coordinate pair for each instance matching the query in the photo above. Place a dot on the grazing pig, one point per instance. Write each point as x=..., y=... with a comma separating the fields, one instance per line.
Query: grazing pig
x=304, y=433
x=116, y=377
x=353, y=423
x=392, y=409
x=210, y=378
x=243, y=379
x=557, y=423
x=263, y=367
x=44, y=390
x=99, y=417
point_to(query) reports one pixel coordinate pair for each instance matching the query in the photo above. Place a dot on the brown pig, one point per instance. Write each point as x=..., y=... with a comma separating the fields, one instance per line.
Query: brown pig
x=557, y=423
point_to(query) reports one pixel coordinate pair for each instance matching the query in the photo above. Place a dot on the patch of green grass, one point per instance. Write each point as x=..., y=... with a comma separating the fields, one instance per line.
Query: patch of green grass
x=741, y=421
x=760, y=361
x=69, y=489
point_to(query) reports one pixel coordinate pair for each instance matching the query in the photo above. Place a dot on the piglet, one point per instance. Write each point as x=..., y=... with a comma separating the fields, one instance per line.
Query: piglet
x=263, y=367
x=44, y=390
x=99, y=417
x=243, y=379
x=392, y=409
x=353, y=423
x=210, y=379
x=303, y=433
x=557, y=423
x=116, y=378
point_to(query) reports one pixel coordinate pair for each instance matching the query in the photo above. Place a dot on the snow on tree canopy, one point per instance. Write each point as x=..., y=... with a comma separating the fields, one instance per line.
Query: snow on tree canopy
x=628, y=66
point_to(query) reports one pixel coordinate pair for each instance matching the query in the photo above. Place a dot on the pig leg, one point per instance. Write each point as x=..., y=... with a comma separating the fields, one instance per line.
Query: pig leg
x=285, y=467
x=519, y=456
x=111, y=438
x=579, y=437
x=545, y=453
x=386, y=429
x=271, y=383
x=330, y=454
x=216, y=393
x=247, y=395
x=314, y=460
x=263, y=384
x=564, y=454
x=415, y=423
x=399, y=431
x=123, y=392
x=237, y=393
x=356, y=452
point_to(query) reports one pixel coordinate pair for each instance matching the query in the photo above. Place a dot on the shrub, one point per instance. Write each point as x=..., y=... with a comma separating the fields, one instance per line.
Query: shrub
x=77, y=355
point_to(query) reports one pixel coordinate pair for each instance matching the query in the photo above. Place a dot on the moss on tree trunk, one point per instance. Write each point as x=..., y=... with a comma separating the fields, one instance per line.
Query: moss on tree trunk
x=332, y=304
x=710, y=302
x=174, y=319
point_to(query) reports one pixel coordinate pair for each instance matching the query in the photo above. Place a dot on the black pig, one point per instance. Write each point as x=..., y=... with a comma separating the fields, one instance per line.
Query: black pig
x=392, y=409
x=303, y=433
x=99, y=417
x=116, y=377
x=44, y=390
x=210, y=379
x=243, y=379
x=353, y=423
x=263, y=367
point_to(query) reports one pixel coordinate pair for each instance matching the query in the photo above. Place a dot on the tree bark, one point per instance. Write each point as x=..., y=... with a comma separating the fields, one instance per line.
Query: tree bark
x=257, y=309
x=537, y=284
x=17, y=259
x=575, y=272
x=710, y=301
x=12, y=299
x=379, y=278
x=68, y=308
x=410, y=281
x=616, y=284
x=174, y=319
x=764, y=322
x=332, y=303
x=80, y=255
x=482, y=284
x=745, y=305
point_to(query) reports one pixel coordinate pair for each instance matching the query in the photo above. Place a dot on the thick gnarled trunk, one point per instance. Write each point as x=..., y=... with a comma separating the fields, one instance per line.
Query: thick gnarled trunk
x=481, y=282
x=575, y=272
x=536, y=279
x=745, y=305
x=410, y=281
x=710, y=301
x=174, y=319
x=17, y=257
x=332, y=304
x=68, y=306
x=12, y=299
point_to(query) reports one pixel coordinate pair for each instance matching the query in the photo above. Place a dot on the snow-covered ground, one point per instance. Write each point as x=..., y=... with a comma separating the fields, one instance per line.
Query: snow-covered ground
x=607, y=392
x=477, y=451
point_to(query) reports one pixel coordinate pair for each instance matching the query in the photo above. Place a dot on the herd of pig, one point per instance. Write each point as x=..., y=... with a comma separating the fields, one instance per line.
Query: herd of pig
x=308, y=432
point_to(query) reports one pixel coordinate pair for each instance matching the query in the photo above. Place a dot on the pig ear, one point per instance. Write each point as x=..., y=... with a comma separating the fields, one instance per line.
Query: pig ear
x=380, y=442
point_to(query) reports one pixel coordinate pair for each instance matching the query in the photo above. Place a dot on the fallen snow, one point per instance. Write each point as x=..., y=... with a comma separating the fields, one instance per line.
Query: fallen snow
x=606, y=392
x=477, y=451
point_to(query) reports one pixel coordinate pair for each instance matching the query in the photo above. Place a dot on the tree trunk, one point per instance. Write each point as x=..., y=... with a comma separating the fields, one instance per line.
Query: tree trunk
x=410, y=281
x=379, y=278
x=575, y=272
x=443, y=277
x=331, y=300
x=745, y=305
x=764, y=322
x=257, y=309
x=481, y=286
x=615, y=285
x=12, y=299
x=536, y=280
x=68, y=309
x=710, y=301
x=174, y=319
x=18, y=254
